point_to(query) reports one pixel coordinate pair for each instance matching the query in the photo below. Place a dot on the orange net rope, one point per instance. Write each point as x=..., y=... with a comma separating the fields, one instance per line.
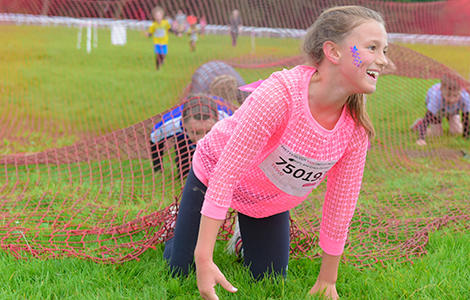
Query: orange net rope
x=82, y=175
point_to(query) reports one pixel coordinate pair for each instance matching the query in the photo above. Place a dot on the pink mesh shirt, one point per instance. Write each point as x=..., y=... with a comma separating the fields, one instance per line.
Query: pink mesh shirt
x=272, y=153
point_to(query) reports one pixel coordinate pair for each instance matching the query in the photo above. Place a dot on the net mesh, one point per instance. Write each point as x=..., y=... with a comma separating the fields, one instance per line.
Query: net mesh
x=77, y=170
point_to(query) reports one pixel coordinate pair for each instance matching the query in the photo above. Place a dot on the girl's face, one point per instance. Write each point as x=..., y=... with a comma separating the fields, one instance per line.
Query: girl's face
x=197, y=129
x=450, y=95
x=362, y=56
x=158, y=15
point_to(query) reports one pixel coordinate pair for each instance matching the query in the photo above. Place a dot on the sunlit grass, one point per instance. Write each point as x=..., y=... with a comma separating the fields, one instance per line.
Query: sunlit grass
x=53, y=94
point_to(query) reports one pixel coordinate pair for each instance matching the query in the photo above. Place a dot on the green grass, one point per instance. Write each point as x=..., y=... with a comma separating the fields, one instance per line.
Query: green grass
x=53, y=94
x=444, y=273
x=113, y=86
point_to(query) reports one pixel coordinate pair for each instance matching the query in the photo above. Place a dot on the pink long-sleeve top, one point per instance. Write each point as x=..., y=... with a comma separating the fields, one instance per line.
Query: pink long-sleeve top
x=270, y=155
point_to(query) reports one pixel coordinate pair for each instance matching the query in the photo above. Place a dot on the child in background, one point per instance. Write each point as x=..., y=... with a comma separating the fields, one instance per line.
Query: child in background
x=183, y=127
x=202, y=24
x=159, y=30
x=180, y=22
x=206, y=75
x=295, y=128
x=444, y=99
x=192, y=32
x=235, y=26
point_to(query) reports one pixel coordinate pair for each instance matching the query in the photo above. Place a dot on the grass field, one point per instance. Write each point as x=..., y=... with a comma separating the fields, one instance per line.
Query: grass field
x=53, y=94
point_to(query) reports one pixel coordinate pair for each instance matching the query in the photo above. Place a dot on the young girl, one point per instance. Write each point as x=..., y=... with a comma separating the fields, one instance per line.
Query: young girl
x=297, y=127
x=202, y=24
x=183, y=127
x=180, y=22
x=192, y=32
x=444, y=99
x=159, y=30
x=235, y=25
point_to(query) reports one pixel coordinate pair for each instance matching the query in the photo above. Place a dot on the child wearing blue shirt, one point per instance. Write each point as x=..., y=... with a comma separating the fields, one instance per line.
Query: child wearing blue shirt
x=445, y=99
x=183, y=127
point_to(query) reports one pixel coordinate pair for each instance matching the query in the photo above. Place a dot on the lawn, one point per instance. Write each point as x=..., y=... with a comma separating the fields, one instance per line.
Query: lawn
x=54, y=95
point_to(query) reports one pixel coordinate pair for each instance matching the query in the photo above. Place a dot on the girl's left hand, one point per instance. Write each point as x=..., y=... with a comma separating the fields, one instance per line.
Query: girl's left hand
x=325, y=289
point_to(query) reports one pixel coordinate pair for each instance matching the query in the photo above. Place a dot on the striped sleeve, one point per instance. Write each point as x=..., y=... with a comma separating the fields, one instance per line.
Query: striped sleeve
x=170, y=125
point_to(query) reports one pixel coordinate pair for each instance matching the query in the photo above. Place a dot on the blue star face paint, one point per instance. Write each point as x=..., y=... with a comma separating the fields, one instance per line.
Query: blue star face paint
x=355, y=54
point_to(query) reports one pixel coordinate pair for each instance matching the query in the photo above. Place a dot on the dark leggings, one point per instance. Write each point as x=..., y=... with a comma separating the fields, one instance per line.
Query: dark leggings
x=265, y=240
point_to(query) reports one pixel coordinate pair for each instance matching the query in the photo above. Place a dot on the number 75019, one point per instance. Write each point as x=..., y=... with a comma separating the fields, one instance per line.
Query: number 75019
x=298, y=172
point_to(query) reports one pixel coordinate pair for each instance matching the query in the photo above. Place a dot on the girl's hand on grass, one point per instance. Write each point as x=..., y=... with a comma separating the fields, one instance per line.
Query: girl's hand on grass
x=421, y=142
x=325, y=289
x=208, y=276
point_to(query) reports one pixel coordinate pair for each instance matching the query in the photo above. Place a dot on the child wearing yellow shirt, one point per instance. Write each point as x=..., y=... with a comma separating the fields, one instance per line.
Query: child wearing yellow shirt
x=159, y=30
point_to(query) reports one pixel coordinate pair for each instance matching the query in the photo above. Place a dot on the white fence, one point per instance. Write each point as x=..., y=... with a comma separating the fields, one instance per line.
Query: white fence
x=21, y=19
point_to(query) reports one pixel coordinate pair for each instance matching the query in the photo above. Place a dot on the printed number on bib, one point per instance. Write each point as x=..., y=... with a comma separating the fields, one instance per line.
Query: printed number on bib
x=292, y=173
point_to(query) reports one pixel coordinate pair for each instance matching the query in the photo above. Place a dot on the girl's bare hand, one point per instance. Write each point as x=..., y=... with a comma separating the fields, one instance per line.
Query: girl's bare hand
x=325, y=289
x=208, y=276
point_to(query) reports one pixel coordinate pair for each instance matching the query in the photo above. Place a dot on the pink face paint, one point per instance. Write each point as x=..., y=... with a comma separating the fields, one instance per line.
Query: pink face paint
x=355, y=53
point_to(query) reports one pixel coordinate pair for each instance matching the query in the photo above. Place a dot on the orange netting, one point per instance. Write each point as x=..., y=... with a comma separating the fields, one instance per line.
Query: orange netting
x=101, y=197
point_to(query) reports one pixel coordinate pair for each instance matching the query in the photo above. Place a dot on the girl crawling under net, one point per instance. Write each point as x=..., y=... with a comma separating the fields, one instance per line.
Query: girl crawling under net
x=444, y=100
x=182, y=127
x=218, y=78
x=296, y=128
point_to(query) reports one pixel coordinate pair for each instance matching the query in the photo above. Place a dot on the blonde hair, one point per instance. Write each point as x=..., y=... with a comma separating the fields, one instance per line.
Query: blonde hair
x=199, y=107
x=157, y=8
x=334, y=24
x=450, y=82
x=226, y=87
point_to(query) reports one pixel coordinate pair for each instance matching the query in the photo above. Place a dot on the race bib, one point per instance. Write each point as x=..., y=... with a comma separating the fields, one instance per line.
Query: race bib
x=159, y=33
x=292, y=173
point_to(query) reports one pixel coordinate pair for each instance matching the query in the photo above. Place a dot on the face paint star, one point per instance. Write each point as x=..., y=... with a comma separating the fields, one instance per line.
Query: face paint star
x=355, y=53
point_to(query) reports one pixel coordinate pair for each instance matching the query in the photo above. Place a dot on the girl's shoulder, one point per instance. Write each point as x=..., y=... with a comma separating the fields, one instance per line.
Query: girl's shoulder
x=295, y=81
x=285, y=84
x=294, y=75
x=434, y=92
x=435, y=88
x=465, y=95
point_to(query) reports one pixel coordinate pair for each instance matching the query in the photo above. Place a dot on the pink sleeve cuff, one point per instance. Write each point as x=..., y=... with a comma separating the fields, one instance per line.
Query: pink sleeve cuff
x=330, y=246
x=211, y=210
